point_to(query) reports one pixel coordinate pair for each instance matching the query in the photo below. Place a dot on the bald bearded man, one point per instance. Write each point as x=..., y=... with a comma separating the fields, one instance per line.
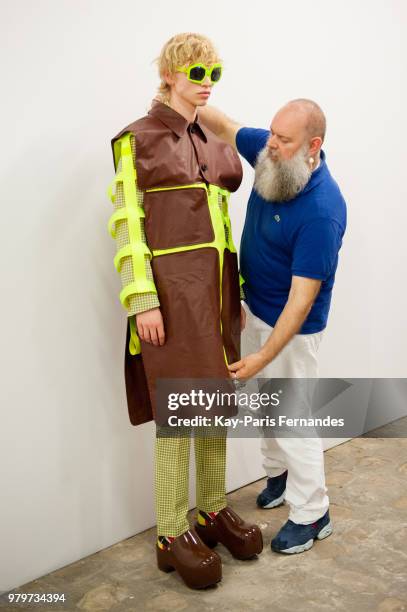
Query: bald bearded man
x=295, y=221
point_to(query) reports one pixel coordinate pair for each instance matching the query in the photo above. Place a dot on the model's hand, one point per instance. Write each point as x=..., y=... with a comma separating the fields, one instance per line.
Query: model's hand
x=150, y=326
x=242, y=318
x=247, y=367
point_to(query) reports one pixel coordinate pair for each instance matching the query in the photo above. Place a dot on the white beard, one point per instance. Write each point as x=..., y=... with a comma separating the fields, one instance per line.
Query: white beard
x=281, y=180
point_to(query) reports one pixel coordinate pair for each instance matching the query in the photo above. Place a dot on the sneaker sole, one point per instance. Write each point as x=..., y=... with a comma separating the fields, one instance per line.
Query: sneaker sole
x=274, y=502
x=324, y=533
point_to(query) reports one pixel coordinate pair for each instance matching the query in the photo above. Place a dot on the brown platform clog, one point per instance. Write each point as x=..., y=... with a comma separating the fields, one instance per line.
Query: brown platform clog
x=198, y=565
x=242, y=539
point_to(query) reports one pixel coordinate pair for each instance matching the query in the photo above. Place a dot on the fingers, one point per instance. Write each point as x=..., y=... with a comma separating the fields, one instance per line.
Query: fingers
x=232, y=367
x=239, y=374
x=140, y=331
x=157, y=335
x=239, y=370
x=235, y=369
x=161, y=334
x=153, y=334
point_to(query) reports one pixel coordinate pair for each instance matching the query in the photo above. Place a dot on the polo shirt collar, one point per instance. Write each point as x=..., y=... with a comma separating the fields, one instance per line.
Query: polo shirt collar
x=174, y=121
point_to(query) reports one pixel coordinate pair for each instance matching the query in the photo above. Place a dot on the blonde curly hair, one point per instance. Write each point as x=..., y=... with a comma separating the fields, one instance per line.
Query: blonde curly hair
x=182, y=50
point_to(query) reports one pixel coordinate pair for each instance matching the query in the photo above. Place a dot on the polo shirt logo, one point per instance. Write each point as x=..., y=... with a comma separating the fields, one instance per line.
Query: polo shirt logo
x=277, y=218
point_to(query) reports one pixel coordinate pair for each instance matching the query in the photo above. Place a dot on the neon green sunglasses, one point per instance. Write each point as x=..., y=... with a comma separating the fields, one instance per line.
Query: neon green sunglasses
x=196, y=73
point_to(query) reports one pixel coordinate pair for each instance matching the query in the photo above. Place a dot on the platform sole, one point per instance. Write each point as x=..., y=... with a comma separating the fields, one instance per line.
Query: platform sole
x=274, y=503
x=167, y=567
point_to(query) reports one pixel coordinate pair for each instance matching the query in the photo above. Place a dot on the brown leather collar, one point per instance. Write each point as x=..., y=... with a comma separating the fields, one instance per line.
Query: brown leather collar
x=174, y=121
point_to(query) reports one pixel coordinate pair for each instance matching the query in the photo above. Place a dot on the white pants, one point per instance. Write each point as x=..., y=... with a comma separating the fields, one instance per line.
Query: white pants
x=306, y=493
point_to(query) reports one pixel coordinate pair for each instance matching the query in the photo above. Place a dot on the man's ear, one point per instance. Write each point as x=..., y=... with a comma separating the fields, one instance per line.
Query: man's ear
x=169, y=78
x=315, y=145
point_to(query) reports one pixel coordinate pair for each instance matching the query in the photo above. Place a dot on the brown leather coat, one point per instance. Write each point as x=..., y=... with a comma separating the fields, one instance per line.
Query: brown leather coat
x=198, y=288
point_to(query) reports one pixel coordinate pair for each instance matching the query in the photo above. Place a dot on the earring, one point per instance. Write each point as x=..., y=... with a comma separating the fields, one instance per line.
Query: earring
x=311, y=161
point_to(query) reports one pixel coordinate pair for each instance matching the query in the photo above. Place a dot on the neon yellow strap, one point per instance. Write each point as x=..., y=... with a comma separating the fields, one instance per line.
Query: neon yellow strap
x=241, y=280
x=139, y=286
x=110, y=190
x=117, y=179
x=191, y=186
x=118, y=215
x=224, y=192
x=129, y=186
x=137, y=252
x=219, y=242
x=134, y=342
x=117, y=146
x=137, y=249
x=123, y=213
x=119, y=175
x=228, y=222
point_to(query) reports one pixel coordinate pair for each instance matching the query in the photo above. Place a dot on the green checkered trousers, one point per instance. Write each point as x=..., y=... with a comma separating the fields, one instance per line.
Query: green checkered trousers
x=172, y=477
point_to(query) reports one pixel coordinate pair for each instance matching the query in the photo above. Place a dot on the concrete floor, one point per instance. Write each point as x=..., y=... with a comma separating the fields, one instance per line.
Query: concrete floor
x=361, y=566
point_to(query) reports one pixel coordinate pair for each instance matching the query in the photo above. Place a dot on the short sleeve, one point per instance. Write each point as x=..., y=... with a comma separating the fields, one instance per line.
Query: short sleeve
x=250, y=141
x=315, y=252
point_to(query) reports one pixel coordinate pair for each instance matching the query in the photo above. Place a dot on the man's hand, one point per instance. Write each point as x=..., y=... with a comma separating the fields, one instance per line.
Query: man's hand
x=220, y=124
x=242, y=318
x=150, y=326
x=302, y=295
x=247, y=367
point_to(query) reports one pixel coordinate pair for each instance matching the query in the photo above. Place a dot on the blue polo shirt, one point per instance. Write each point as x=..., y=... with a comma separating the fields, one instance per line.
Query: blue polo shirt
x=301, y=237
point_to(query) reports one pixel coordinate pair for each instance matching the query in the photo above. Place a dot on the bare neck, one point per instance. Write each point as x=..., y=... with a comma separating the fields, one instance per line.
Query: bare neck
x=182, y=107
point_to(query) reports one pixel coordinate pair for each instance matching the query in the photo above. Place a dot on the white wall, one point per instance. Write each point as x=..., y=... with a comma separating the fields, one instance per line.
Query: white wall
x=75, y=475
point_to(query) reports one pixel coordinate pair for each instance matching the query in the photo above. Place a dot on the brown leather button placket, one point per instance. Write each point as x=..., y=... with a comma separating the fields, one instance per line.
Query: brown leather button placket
x=199, y=152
